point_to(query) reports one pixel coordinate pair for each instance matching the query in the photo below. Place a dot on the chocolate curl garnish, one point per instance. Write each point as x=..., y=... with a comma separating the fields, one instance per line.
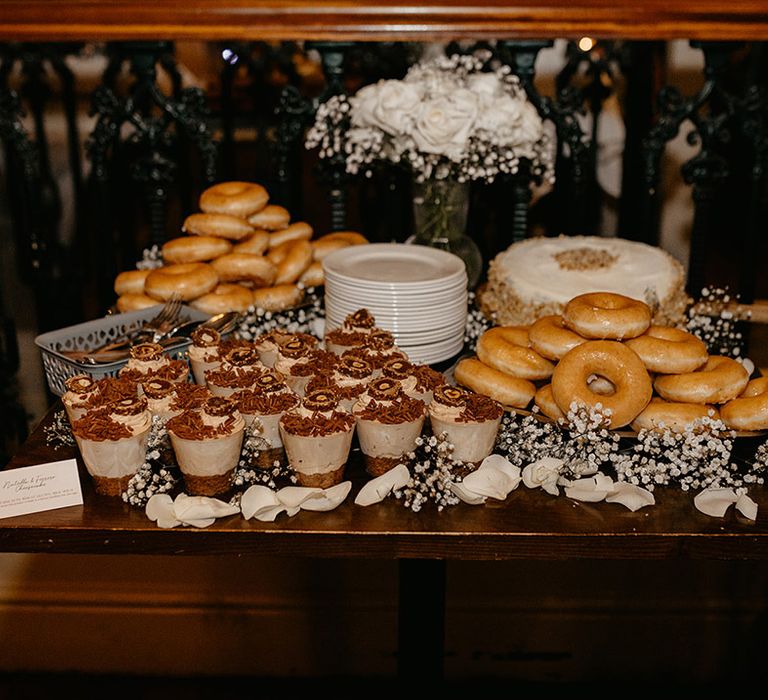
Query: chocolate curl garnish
x=81, y=383
x=269, y=381
x=450, y=395
x=146, y=352
x=380, y=340
x=397, y=369
x=206, y=337
x=129, y=407
x=384, y=388
x=295, y=348
x=321, y=400
x=157, y=388
x=218, y=406
x=354, y=367
x=360, y=319
x=242, y=356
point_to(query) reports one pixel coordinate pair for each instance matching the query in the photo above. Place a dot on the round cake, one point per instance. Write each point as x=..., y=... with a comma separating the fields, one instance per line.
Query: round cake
x=537, y=276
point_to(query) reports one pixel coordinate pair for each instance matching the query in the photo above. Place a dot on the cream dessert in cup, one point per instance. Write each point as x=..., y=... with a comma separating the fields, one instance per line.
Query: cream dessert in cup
x=204, y=352
x=270, y=343
x=352, y=333
x=378, y=349
x=266, y=401
x=239, y=368
x=471, y=422
x=318, y=436
x=418, y=381
x=348, y=379
x=299, y=374
x=207, y=442
x=149, y=360
x=167, y=399
x=82, y=392
x=388, y=423
x=112, y=441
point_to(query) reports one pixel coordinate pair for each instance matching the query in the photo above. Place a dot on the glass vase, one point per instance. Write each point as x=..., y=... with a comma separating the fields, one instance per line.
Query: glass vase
x=440, y=209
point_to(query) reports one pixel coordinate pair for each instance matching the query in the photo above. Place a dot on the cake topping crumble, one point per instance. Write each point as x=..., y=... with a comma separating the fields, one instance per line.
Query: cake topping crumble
x=586, y=258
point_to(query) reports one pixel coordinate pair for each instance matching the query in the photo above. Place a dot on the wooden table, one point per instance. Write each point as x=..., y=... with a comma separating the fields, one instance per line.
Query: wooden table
x=529, y=524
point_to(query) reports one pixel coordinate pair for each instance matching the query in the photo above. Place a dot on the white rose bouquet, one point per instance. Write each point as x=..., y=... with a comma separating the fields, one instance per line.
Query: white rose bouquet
x=448, y=117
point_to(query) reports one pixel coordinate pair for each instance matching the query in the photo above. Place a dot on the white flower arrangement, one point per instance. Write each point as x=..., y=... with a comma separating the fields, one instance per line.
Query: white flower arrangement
x=448, y=117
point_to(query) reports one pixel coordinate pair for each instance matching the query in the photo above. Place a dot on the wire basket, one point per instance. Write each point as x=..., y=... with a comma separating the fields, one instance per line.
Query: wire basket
x=92, y=334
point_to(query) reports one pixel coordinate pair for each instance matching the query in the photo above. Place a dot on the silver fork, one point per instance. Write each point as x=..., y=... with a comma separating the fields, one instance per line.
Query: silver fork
x=157, y=325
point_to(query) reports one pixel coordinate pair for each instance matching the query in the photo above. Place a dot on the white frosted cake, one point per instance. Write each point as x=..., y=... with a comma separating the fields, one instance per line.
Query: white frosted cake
x=537, y=276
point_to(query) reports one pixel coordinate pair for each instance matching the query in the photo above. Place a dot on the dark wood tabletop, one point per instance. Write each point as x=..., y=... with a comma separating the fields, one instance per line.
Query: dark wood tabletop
x=529, y=524
x=381, y=20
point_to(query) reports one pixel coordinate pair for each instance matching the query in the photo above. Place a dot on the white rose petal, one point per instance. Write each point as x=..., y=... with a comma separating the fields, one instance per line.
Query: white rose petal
x=631, y=496
x=747, y=507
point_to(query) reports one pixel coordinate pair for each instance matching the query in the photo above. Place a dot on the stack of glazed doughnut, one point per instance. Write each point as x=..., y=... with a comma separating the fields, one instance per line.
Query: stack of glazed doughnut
x=604, y=350
x=237, y=251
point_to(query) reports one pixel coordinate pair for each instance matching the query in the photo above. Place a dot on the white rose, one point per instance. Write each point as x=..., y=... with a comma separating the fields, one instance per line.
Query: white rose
x=530, y=127
x=543, y=473
x=388, y=105
x=444, y=124
x=502, y=117
x=486, y=84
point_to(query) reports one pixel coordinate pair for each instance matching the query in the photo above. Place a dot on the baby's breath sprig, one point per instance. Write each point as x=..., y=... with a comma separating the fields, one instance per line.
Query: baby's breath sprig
x=247, y=475
x=477, y=322
x=698, y=458
x=151, y=258
x=307, y=318
x=156, y=475
x=714, y=324
x=433, y=470
x=59, y=432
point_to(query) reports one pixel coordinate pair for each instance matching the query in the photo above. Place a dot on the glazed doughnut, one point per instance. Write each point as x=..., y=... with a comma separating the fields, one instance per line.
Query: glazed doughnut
x=297, y=259
x=277, y=254
x=719, y=380
x=188, y=280
x=299, y=231
x=505, y=348
x=748, y=411
x=194, y=249
x=669, y=350
x=549, y=337
x=313, y=276
x=322, y=246
x=130, y=282
x=221, y=225
x=134, y=302
x=504, y=388
x=245, y=267
x=607, y=316
x=255, y=244
x=672, y=415
x=612, y=360
x=235, y=198
x=273, y=217
x=225, y=297
x=351, y=237
x=277, y=298
x=546, y=403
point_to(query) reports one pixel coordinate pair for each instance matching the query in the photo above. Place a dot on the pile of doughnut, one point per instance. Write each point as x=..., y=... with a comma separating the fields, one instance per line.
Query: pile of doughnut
x=603, y=349
x=238, y=251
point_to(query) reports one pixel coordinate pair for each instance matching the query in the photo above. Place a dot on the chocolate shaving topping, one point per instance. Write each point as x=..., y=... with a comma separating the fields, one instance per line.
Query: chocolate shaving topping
x=129, y=407
x=427, y=379
x=98, y=425
x=157, y=388
x=361, y=318
x=219, y=406
x=380, y=340
x=341, y=336
x=403, y=409
x=317, y=361
x=111, y=389
x=254, y=402
x=189, y=425
x=479, y=408
x=317, y=425
x=229, y=377
x=326, y=381
x=450, y=395
x=397, y=369
x=188, y=396
x=204, y=337
x=147, y=352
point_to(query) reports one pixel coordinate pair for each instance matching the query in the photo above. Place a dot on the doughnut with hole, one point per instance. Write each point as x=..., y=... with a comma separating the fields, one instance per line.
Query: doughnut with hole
x=298, y=231
x=297, y=259
x=278, y=298
x=549, y=337
x=245, y=267
x=615, y=362
x=351, y=237
x=236, y=198
x=720, y=379
x=221, y=225
x=668, y=350
x=186, y=249
x=547, y=404
x=188, y=280
x=225, y=297
x=675, y=416
x=255, y=244
x=130, y=282
x=606, y=316
x=506, y=348
x=313, y=276
x=504, y=388
x=134, y=302
x=749, y=410
x=273, y=217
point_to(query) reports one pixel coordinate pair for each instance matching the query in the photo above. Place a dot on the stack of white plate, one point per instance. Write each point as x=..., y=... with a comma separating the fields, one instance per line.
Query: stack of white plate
x=416, y=292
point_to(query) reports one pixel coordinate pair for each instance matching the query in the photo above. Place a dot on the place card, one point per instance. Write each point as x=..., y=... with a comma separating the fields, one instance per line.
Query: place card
x=38, y=488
